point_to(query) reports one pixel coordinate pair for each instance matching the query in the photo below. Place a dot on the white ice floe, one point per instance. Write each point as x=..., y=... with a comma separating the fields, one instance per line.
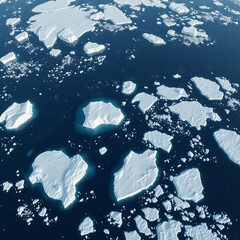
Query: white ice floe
x=43, y=212
x=229, y=141
x=17, y=114
x=116, y=218
x=189, y=185
x=138, y=173
x=190, y=31
x=7, y=186
x=171, y=93
x=13, y=21
x=58, y=174
x=179, y=8
x=20, y=184
x=159, y=140
x=103, y=150
x=200, y=232
x=194, y=22
x=97, y=16
x=142, y=226
x=154, y=39
x=128, y=87
x=86, y=227
x=177, y=76
x=168, y=230
x=98, y=113
x=208, y=88
x=21, y=37
x=129, y=2
x=55, y=52
x=91, y=48
x=158, y=191
x=145, y=101
x=151, y=214
x=225, y=84
x=194, y=113
x=133, y=235
x=8, y=58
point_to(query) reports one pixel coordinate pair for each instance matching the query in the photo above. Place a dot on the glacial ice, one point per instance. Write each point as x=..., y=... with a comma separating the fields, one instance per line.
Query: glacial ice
x=171, y=93
x=91, y=48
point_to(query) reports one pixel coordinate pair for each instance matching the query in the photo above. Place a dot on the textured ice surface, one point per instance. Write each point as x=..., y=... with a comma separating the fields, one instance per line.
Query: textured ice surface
x=86, y=227
x=171, y=93
x=179, y=8
x=128, y=87
x=133, y=235
x=55, y=52
x=225, y=84
x=142, y=226
x=8, y=58
x=154, y=39
x=168, y=230
x=91, y=48
x=13, y=21
x=116, y=218
x=21, y=37
x=151, y=214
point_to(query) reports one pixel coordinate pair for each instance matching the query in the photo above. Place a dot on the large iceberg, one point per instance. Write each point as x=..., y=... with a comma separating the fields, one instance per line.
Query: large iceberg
x=138, y=173
x=17, y=114
x=58, y=174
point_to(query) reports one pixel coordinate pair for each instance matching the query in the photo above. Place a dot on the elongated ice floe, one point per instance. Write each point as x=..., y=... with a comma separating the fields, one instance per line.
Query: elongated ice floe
x=133, y=235
x=171, y=93
x=138, y=173
x=21, y=37
x=142, y=226
x=154, y=39
x=145, y=101
x=225, y=84
x=86, y=227
x=159, y=140
x=58, y=174
x=8, y=58
x=13, y=21
x=194, y=113
x=208, y=88
x=168, y=230
x=229, y=141
x=17, y=114
x=100, y=113
x=128, y=87
x=92, y=48
x=179, y=8
x=189, y=185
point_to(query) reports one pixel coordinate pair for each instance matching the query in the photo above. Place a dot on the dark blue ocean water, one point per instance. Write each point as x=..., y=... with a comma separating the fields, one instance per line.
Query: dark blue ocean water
x=53, y=127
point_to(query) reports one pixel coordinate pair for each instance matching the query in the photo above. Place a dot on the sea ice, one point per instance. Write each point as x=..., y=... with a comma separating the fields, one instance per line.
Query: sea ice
x=194, y=113
x=179, y=8
x=188, y=185
x=142, y=226
x=58, y=174
x=225, y=84
x=159, y=140
x=7, y=186
x=229, y=141
x=17, y=114
x=116, y=217
x=8, y=58
x=102, y=150
x=86, y=227
x=168, y=230
x=190, y=31
x=138, y=173
x=154, y=39
x=20, y=184
x=55, y=52
x=151, y=214
x=91, y=48
x=128, y=87
x=171, y=93
x=133, y=235
x=13, y=21
x=21, y=37
x=99, y=113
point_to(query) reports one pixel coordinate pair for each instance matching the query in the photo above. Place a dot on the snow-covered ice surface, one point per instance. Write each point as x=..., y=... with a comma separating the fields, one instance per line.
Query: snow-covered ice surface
x=21, y=37
x=171, y=93
x=91, y=48
x=8, y=58
x=86, y=227
x=154, y=39
x=168, y=230
x=128, y=87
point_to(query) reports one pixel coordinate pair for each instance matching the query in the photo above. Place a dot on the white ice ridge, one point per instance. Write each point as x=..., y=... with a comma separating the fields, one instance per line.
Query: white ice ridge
x=8, y=58
x=52, y=21
x=142, y=226
x=133, y=235
x=153, y=39
x=229, y=141
x=145, y=101
x=168, y=230
x=138, y=173
x=194, y=113
x=58, y=174
x=171, y=93
x=21, y=37
x=179, y=8
x=151, y=214
x=208, y=88
x=17, y=114
x=128, y=87
x=189, y=185
x=86, y=227
x=98, y=113
x=159, y=140
x=92, y=48
x=200, y=232
x=225, y=84
x=115, y=15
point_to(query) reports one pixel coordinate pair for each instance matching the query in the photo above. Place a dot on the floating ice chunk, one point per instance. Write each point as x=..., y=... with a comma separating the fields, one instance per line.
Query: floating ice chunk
x=190, y=31
x=128, y=87
x=151, y=214
x=200, y=232
x=194, y=113
x=138, y=173
x=86, y=227
x=133, y=235
x=20, y=184
x=159, y=140
x=21, y=37
x=171, y=93
x=8, y=58
x=188, y=185
x=142, y=226
x=91, y=48
x=58, y=174
x=168, y=230
x=208, y=88
x=194, y=22
x=154, y=39
x=7, y=186
x=3, y=1
x=13, y=21
x=229, y=141
x=158, y=191
x=179, y=8
x=17, y=114
x=117, y=218
x=97, y=16
x=115, y=15
x=225, y=84
x=100, y=113
x=145, y=100
x=43, y=212
x=129, y=2
x=55, y=52
x=102, y=150
x=217, y=3
x=177, y=76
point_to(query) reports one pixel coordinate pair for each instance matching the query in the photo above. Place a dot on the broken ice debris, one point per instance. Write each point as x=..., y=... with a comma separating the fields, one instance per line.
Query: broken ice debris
x=91, y=48
x=154, y=39
x=8, y=58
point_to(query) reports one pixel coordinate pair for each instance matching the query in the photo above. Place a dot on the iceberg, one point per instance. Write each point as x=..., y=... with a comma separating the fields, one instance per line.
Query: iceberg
x=128, y=87
x=171, y=93
x=194, y=113
x=91, y=48
x=168, y=230
x=21, y=37
x=55, y=52
x=229, y=141
x=86, y=227
x=58, y=174
x=8, y=58
x=154, y=39
x=138, y=173
x=17, y=114
x=188, y=185
x=178, y=8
